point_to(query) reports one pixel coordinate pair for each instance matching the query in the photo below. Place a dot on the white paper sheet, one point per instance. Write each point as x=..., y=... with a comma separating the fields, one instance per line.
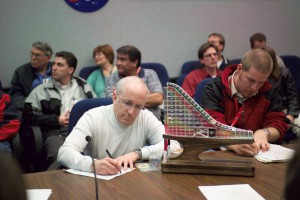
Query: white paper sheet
x=232, y=192
x=105, y=177
x=276, y=153
x=38, y=194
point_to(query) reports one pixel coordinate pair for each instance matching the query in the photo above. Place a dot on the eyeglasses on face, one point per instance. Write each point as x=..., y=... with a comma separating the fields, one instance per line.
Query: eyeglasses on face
x=36, y=55
x=128, y=104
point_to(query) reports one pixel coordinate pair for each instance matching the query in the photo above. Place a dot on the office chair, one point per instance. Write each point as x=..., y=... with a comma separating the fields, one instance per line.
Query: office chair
x=293, y=63
x=160, y=70
x=77, y=111
x=180, y=79
x=86, y=71
x=200, y=88
x=162, y=74
x=236, y=61
x=189, y=66
x=35, y=134
x=84, y=105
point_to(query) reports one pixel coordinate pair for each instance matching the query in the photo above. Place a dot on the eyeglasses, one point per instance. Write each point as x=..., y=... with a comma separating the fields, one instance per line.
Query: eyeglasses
x=210, y=55
x=36, y=55
x=129, y=104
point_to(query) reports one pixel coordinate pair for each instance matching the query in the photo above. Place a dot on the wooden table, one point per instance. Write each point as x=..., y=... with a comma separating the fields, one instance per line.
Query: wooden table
x=268, y=182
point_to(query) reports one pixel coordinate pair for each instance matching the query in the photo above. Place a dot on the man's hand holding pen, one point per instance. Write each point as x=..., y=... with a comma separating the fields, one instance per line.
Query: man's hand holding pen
x=108, y=166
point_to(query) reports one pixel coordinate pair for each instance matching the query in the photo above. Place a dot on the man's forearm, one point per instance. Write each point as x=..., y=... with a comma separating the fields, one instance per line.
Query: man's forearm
x=271, y=133
x=154, y=99
x=274, y=134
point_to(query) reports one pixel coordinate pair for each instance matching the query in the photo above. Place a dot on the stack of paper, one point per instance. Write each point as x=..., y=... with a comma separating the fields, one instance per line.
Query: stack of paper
x=90, y=174
x=38, y=194
x=232, y=192
x=276, y=153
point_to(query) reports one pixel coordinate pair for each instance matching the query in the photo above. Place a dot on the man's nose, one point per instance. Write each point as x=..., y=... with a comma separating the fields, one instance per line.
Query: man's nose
x=255, y=86
x=118, y=62
x=131, y=110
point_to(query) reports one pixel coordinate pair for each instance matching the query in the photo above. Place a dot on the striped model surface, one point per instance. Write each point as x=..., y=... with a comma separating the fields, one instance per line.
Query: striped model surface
x=184, y=117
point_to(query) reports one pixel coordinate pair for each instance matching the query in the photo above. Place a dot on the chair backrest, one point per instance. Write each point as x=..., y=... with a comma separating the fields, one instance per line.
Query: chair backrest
x=236, y=61
x=160, y=70
x=180, y=79
x=199, y=89
x=86, y=71
x=293, y=63
x=189, y=66
x=84, y=105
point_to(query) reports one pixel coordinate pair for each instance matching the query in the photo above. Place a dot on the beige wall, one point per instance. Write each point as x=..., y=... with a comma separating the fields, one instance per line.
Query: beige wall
x=166, y=31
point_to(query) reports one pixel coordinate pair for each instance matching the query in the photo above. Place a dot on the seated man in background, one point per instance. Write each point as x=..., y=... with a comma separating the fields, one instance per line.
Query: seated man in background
x=9, y=122
x=243, y=98
x=219, y=41
x=50, y=103
x=124, y=128
x=287, y=92
x=259, y=41
x=128, y=64
x=30, y=75
x=208, y=57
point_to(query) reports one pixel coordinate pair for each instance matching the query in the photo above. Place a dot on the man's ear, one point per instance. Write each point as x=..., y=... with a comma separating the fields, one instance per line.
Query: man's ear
x=222, y=48
x=114, y=96
x=239, y=67
x=135, y=63
x=71, y=70
x=201, y=61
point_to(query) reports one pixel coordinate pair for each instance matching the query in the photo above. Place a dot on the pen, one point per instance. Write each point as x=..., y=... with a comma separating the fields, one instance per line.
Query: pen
x=110, y=156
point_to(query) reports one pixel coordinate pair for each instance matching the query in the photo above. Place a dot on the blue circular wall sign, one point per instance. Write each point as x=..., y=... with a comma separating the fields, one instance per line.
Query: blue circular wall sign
x=86, y=5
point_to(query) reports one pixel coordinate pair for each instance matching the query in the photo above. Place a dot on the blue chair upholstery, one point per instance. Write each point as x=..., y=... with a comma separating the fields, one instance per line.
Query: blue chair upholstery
x=160, y=70
x=77, y=111
x=200, y=88
x=180, y=79
x=293, y=63
x=189, y=66
x=236, y=61
x=84, y=105
x=86, y=71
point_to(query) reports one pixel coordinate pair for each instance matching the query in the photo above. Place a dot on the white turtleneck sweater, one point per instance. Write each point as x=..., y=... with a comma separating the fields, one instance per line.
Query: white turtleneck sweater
x=107, y=133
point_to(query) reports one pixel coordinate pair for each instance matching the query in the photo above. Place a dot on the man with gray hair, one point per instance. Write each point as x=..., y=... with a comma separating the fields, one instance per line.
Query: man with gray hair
x=244, y=98
x=125, y=128
x=32, y=74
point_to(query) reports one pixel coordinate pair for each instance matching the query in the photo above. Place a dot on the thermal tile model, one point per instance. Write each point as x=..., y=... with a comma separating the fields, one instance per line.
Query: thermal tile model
x=188, y=123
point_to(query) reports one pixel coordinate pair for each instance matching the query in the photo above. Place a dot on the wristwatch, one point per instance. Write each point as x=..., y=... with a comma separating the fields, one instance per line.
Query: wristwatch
x=139, y=152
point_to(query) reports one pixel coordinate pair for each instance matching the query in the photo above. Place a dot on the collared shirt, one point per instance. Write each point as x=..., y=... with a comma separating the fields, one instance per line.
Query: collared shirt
x=234, y=92
x=42, y=78
x=69, y=94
